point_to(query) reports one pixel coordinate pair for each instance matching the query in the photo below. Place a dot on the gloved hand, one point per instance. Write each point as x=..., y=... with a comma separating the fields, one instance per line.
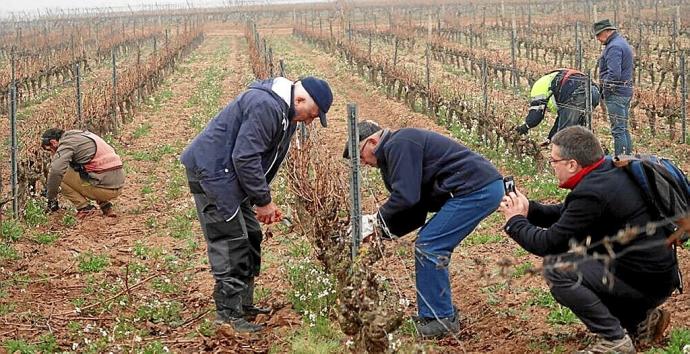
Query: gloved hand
x=522, y=129
x=371, y=226
x=52, y=206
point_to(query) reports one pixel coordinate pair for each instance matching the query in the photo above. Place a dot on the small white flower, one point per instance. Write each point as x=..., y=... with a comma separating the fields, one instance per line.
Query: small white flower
x=137, y=339
x=75, y=346
x=686, y=349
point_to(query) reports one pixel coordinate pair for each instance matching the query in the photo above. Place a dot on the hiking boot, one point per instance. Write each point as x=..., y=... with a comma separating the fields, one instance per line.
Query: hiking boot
x=240, y=325
x=107, y=210
x=604, y=346
x=651, y=330
x=229, y=308
x=248, y=307
x=433, y=328
x=86, y=211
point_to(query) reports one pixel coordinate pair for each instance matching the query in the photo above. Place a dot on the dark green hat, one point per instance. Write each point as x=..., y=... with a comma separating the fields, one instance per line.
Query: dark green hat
x=601, y=26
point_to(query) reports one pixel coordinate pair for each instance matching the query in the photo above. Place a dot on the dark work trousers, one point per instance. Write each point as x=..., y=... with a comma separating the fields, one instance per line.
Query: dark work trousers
x=571, y=112
x=234, y=247
x=606, y=308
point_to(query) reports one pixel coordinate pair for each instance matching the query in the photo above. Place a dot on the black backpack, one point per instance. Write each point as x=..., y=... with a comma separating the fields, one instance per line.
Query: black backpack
x=665, y=189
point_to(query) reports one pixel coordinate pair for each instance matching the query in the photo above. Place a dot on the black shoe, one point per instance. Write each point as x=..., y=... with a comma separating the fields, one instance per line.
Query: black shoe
x=250, y=312
x=240, y=325
x=433, y=328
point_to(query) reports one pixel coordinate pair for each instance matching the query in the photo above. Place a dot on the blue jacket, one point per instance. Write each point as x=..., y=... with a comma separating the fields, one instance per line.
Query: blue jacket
x=616, y=67
x=239, y=152
x=422, y=170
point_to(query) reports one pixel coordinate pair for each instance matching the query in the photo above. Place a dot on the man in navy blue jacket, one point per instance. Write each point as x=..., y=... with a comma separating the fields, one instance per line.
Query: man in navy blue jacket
x=427, y=172
x=230, y=165
x=616, y=69
x=618, y=297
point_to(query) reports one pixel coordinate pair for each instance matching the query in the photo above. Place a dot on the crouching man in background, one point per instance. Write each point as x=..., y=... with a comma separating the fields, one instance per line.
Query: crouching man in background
x=85, y=168
x=617, y=299
x=427, y=172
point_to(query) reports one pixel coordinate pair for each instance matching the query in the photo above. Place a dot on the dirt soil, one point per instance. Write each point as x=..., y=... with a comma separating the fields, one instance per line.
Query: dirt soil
x=46, y=286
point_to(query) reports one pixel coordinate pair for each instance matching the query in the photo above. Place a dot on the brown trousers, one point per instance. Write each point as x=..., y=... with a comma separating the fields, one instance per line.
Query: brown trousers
x=79, y=191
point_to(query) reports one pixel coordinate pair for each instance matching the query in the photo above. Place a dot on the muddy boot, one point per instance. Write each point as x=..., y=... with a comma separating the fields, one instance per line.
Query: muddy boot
x=86, y=211
x=229, y=310
x=437, y=328
x=251, y=311
x=107, y=210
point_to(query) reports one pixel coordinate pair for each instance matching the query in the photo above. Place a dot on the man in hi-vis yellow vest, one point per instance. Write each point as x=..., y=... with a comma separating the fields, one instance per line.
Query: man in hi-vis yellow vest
x=563, y=92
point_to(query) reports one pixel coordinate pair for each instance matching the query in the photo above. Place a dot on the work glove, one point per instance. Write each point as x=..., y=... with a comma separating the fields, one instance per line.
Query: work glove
x=371, y=225
x=52, y=206
x=522, y=129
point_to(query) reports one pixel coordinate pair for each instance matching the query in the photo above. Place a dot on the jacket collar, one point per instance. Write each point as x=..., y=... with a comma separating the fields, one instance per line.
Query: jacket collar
x=611, y=37
x=575, y=179
x=283, y=88
x=378, y=152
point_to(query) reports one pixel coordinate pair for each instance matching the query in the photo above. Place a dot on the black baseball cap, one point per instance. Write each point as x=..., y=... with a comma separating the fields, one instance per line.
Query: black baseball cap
x=322, y=95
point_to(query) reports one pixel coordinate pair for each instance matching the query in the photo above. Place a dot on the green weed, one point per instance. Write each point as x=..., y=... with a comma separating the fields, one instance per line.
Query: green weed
x=34, y=213
x=90, y=263
x=678, y=343
x=7, y=252
x=561, y=315
x=45, y=238
x=142, y=130
x=12, y=230
x=157, y=311
x=69, y=219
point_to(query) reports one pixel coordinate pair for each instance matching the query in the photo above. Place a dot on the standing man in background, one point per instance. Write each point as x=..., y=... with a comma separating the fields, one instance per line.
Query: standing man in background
x=615, y=75
x=230, y=165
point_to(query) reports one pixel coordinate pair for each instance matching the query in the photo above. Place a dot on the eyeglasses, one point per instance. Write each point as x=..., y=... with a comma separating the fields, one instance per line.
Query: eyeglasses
x=361, y=149
x=45, y=147
x=552, y=161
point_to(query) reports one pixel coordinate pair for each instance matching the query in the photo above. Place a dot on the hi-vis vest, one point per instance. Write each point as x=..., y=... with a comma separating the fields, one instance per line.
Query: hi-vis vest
x=541, y=90
x=105, y=159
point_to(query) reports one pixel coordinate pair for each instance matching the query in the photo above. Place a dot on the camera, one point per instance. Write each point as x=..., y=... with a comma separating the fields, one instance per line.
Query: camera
x=509, y=184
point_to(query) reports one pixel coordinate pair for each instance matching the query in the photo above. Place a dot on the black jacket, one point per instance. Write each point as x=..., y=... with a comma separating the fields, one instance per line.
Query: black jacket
x=605, y=201
x=422, y=170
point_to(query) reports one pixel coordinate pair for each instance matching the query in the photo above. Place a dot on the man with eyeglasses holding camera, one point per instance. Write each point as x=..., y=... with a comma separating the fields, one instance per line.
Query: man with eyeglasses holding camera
x=617, y=298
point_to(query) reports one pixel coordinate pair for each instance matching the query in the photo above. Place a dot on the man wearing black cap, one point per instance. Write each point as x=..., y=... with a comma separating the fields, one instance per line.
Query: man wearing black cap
x=230, y=165
x=616, y=67
x=428, y=172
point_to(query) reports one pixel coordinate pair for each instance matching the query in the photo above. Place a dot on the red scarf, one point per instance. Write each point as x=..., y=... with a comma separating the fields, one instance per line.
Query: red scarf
x=575, y=179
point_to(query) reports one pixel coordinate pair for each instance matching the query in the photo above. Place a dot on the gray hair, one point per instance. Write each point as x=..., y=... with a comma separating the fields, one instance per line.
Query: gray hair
x=579, y=144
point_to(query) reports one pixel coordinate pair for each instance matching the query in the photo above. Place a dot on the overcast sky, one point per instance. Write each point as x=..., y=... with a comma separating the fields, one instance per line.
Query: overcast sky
x=7, y=6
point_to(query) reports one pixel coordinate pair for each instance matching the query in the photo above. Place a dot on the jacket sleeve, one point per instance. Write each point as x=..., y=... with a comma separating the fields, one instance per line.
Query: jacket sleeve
x=543, y=215
x=537, y=108
x=405, y=172
x=575, y=222
x=58, y=166
x=254, y=138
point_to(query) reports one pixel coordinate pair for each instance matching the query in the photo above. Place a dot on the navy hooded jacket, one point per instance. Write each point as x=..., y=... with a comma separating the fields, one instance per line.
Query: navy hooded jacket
x=239, y=152
x=616, y=67
x=422, y=170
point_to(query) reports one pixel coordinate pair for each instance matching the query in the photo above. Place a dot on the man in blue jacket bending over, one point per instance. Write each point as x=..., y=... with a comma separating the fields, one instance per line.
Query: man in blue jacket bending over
x=427, y=172
x=230, y=165
x=616, y=67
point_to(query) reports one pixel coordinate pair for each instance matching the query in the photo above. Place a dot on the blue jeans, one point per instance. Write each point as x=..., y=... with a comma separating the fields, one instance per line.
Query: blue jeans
x=618, y=108
x=437, y=240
